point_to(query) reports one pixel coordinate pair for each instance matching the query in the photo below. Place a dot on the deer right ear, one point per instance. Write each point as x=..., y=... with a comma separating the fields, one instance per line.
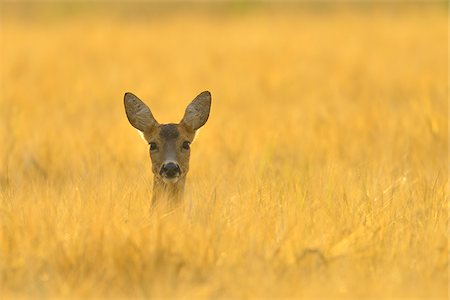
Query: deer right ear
x=138, y=113
x=197, y=112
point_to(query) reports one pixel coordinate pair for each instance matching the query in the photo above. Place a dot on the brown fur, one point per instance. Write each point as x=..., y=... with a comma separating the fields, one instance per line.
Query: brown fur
x=169, y=139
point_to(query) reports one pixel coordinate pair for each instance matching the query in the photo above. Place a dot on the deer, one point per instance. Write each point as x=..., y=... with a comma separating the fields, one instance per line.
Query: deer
x=169, y=144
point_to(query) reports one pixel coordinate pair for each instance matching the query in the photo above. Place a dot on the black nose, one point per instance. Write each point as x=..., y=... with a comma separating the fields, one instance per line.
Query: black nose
x=170, y=170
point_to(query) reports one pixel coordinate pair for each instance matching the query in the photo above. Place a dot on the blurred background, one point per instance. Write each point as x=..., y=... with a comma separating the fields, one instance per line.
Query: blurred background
x=328, y=131
x=66, y=66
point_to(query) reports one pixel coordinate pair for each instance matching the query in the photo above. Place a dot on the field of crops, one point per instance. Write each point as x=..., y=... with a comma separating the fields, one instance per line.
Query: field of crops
x=322, y=171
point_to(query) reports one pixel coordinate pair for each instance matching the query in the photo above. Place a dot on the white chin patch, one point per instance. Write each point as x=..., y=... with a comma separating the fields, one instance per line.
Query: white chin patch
x=170, y=180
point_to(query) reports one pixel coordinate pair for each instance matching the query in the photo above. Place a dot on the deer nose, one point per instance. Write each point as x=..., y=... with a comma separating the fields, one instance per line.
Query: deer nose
x=170, y=170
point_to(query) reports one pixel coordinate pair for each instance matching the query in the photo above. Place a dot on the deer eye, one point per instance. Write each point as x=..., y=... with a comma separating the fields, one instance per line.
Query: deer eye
x=153, y=146
x=186, y=145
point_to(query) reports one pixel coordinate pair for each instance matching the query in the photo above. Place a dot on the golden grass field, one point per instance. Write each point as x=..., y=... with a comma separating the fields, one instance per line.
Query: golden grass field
x=321, y=173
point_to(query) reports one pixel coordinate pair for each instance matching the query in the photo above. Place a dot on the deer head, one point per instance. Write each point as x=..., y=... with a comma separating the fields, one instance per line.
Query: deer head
x=169, y=144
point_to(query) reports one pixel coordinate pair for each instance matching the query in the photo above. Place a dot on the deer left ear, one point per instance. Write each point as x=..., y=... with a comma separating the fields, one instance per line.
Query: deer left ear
x=197, y=112
x=138, y=113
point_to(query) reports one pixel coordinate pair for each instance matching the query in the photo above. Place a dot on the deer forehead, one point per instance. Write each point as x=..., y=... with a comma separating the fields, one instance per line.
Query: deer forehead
x=169, y=131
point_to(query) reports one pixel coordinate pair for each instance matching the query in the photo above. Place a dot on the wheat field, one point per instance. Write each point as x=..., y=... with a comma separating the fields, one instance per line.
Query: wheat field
x=321, y=173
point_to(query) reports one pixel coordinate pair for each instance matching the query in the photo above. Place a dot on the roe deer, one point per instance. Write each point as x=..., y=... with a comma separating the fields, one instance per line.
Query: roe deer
x=169, y=144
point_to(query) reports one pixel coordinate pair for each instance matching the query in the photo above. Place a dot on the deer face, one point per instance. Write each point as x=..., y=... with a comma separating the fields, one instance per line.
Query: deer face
x=169, y=144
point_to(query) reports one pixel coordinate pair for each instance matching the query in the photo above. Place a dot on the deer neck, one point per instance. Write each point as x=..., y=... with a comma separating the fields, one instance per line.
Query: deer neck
x=170, y=191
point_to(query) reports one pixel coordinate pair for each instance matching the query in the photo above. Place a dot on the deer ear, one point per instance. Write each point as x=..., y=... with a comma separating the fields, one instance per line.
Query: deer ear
x=197, y=112
x=138, y=113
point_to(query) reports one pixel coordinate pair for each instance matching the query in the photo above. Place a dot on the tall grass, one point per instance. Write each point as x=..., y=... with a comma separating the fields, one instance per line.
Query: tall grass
x=322, y=171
